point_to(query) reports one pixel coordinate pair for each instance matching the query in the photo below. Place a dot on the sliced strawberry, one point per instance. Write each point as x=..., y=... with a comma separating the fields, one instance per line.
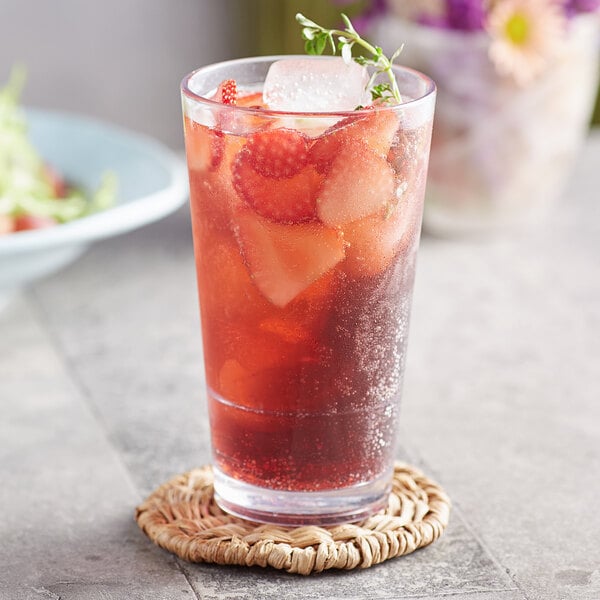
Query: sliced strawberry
x=325, y=148
x=25, y=222
x=274, y=343
x=359, y=183
x=212, y=195
x=237, y=383
x=226, y=289
x=286, y=329
x=375, y=240
x=269, y=388
x=288, y=200
x=375, y=129
x=251, y=100
x=204, y=146
x=248, y=121
x=284, y=260
x=278, y=153
x=226, y=92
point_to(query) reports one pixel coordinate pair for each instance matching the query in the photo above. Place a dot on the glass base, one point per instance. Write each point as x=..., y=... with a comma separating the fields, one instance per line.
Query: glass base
x=294, y=509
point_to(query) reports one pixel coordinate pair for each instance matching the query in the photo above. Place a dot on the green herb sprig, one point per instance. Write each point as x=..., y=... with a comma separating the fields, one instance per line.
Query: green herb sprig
x=317, y=39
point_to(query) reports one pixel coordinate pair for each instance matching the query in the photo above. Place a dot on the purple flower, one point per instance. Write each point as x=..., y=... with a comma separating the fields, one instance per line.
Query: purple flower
x=574, y=7
x=464, y=15
x=433, y=21
x=467, y=15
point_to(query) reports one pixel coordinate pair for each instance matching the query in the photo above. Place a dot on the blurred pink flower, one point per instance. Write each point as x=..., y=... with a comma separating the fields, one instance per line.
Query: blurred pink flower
x=525, y=34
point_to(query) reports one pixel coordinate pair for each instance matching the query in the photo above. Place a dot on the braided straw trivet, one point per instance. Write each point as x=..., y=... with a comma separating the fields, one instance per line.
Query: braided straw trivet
x=182, y=517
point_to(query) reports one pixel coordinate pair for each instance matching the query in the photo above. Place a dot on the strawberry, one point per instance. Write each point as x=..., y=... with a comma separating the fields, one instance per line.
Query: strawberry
x=247, y=121
x=26, y=222
x=226, y=92
x=284, y=260
x=303, y=319
x=375, y=240
x=284, y=200
x=212, y=194
x=266, y=388
x=204, y=146
x=375, y=129
x=285, y=329
x=251, y=100
x=278, y=153
x=359, y=183
x=226, y=289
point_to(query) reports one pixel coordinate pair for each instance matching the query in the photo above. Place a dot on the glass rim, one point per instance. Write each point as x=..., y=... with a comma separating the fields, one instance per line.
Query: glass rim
x=186, y=91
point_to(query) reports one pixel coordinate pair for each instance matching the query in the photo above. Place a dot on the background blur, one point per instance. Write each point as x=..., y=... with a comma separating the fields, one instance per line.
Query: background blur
x=119, y=60
x=122, y=60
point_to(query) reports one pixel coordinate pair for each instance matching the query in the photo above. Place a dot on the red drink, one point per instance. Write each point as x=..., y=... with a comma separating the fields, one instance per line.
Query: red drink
x=305, y=234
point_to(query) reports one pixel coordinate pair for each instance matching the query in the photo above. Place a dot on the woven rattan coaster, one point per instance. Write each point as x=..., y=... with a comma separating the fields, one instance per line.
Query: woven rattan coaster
x=182, y=517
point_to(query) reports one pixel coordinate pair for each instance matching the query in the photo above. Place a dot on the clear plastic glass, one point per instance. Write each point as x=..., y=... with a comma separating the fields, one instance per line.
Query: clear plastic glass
x=305, y=275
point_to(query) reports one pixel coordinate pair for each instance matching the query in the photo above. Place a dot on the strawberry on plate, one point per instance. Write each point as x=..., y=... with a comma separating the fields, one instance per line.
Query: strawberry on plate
x=359, y=183
x=272, y=175
x=284, y=260
x=26, y=222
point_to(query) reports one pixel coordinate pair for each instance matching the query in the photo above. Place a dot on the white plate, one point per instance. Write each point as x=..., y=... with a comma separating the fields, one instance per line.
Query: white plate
x=152, y=183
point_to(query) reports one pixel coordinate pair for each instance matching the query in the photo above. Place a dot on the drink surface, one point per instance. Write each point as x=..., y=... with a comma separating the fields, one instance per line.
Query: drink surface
x=305, y=236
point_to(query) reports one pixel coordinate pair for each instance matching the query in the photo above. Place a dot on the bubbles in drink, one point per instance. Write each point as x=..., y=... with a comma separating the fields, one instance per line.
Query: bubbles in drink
x=306, y=248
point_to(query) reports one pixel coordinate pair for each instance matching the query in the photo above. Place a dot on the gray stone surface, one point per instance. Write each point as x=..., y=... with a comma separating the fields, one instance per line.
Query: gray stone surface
x=507, y=357
x=66, y=517
x=126, y=320
x=101, y=400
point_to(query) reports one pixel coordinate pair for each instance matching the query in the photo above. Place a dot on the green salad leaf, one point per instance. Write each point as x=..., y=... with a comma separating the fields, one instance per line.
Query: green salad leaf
x=26, y=186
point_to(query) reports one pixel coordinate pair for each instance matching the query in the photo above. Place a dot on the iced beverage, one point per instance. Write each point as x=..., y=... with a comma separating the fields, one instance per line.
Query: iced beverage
x=306, y=227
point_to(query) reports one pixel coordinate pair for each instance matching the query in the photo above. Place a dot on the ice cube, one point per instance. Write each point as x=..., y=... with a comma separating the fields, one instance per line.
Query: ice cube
x=315, y=84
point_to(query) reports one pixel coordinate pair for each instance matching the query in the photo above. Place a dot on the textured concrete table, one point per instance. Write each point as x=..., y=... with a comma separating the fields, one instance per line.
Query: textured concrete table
x=101, y=400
